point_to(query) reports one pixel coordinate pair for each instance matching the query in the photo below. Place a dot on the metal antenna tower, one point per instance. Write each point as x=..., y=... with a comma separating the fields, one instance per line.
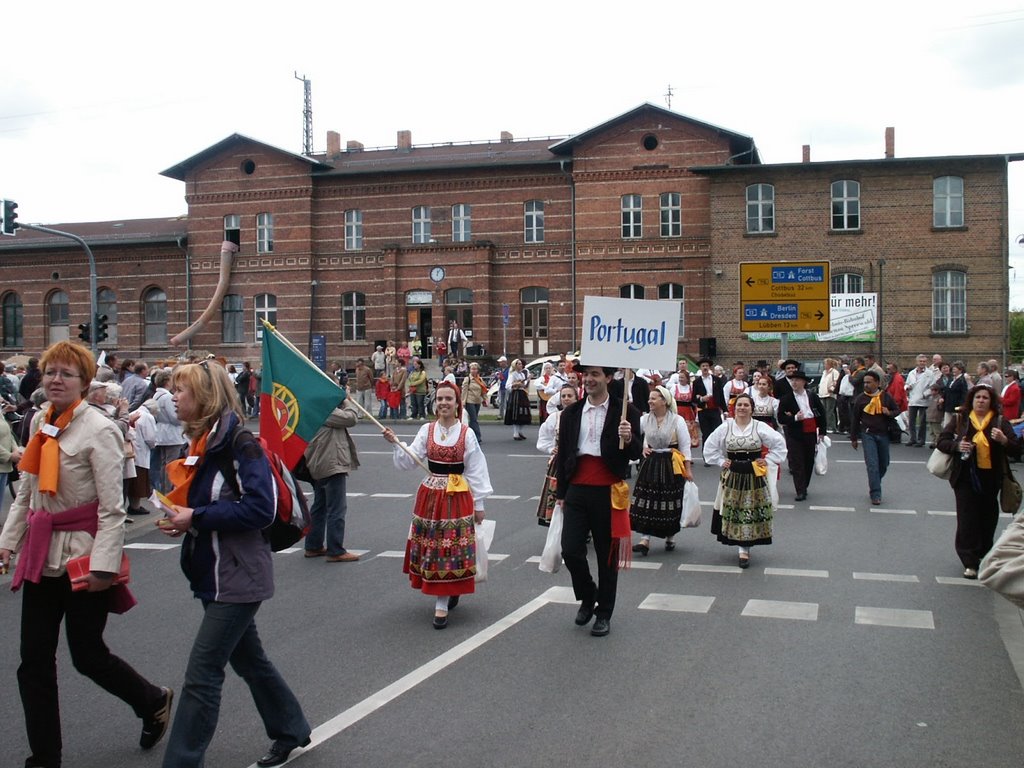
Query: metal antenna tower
x=668, y=97
x=307, y=114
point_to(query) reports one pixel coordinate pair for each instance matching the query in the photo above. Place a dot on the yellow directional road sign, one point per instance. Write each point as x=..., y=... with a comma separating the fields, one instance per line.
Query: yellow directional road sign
x=787, y=296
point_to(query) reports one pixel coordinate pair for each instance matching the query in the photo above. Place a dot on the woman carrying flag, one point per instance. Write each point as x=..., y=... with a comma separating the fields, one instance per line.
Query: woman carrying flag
x=440, y=555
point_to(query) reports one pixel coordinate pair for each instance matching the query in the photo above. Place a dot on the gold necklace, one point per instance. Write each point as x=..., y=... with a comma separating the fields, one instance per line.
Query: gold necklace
x=445, y=431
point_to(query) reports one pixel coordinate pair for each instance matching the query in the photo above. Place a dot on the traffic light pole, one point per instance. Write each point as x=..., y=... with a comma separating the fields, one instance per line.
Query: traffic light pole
x=92, y=271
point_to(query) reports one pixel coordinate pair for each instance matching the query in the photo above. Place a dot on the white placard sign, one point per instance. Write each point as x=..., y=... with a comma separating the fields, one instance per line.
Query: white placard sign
x=630, y=333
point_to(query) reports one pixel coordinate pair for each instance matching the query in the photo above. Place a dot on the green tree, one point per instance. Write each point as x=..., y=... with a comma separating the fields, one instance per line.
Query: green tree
x=1016, y=336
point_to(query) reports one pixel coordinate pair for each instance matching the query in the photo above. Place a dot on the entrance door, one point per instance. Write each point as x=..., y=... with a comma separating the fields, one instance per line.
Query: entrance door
x=535, y=330
x=417, y=321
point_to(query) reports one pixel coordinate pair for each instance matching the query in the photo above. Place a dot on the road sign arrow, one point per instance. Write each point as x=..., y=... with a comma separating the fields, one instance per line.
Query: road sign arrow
x=819, y=314
x=750, y=281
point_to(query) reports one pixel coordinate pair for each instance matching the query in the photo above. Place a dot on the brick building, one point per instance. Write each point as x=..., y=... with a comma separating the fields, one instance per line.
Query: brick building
x=650, y=204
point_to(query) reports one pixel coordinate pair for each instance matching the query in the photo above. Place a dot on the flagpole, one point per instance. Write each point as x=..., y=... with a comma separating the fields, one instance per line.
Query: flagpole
x=354, y=402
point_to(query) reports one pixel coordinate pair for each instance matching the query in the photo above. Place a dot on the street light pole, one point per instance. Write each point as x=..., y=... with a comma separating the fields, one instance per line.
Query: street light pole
x=92, y=274
x=881, y=333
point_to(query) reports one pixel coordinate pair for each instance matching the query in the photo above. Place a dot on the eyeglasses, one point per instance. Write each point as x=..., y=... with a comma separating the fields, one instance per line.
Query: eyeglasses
x=61, y=375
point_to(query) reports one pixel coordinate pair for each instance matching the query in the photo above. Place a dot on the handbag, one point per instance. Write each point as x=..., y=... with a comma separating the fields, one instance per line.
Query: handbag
x=940, y=464
x=821, y=456
x=1010, y=495
x=691, y=505
x=694, y=429
x=551, y=557
x=895, y=431
x=484, y=537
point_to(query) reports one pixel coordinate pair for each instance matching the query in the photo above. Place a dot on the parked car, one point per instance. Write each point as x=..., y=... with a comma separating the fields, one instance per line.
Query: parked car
x=534, y=368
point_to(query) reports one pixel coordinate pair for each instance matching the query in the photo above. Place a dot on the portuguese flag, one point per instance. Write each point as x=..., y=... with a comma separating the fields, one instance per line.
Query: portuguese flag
x=295, y=399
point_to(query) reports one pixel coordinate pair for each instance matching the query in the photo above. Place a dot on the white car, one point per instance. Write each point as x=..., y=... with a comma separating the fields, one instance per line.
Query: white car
x=534, y=368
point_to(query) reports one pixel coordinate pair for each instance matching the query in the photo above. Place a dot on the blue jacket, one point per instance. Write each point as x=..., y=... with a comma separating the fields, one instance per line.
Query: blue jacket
x=225, y=555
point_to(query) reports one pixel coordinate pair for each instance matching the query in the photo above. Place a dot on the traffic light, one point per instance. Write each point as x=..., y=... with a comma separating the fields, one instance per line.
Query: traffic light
x=83, y=332
x=10, y=217
x=101, y=328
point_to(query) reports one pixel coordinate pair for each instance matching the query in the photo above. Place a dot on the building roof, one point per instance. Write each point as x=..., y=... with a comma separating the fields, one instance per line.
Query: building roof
x=880, y=161
x=744, y=150
x=97, y=233
x=181, y=170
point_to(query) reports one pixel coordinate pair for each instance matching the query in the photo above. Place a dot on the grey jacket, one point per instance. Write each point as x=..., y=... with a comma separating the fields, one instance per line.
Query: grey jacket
x=331, y=451
x=1002, y=570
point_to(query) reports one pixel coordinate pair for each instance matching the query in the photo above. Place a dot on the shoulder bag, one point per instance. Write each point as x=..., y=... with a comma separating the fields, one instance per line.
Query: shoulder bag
x=1010, y=495
x=940, y=464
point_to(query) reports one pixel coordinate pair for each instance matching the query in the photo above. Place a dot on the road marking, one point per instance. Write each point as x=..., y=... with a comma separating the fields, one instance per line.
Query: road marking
x=392, y=553
x=881, y=511
x=855, y=461
x=785, y=506
x=644, y=565
x=943, y=512
x=679, y=603
x=795, y=572
x=529, y=456
x=145, y=545
x=534, y=498
x=424, y=672
x=894, y=617
x=710, y=568
x=781, y=609
x=354, y=495
x=534, y=559
x=832, y=509
x=910, y=578
x=491, y=557
x=503, y=498
x=392, y=495
x=957, y=581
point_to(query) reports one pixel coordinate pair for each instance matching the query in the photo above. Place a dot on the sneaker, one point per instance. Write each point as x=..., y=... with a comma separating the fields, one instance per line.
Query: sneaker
x=970, y=573
x=154, y=727
x=345, y=557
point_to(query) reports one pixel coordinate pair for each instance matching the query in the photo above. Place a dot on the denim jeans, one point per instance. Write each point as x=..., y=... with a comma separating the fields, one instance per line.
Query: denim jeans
x=876, y=458
x=473, y=412
x=328, y=515
x=419, y=408
x=228, y=634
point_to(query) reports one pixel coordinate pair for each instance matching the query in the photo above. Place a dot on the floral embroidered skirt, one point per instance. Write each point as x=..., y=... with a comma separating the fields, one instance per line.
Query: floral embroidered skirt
x=743, y=511
x=657, y=504
x=440, y=555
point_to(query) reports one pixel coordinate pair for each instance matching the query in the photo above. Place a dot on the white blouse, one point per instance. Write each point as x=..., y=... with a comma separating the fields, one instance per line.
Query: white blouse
x=474, y=461
x=674, y=422
x=715, y=451
x=547, y=435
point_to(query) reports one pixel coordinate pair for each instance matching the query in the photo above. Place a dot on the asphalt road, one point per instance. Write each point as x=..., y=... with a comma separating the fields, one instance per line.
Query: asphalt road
x=850, y=641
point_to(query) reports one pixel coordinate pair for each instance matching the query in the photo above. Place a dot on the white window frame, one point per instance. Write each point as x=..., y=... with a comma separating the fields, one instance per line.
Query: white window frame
x=845, y=205
x=233, y=224
x=421, y=224
x=232, y=319
x=264, y=233
x=264, y=305
x=671, y=214
x=462, y=223
x=631, y=291
x=847, y=282
x=353, y=316
x=632, y=217
x=949, y=302
x=675, y=292
x=948, y=202
x=353, y=230
x=58, y=319
x=154, y=316
x=533, y=221
x=760, y=208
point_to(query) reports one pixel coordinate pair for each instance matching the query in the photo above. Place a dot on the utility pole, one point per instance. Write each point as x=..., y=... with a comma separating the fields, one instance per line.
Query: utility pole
x=668, y=96
x=307, y=114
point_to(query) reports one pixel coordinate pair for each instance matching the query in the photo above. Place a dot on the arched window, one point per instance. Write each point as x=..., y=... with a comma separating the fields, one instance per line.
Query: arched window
x=631, y=291
x=57, y=317
x=760, y=208
x=847, y=282
x=14, y=320
x=264, y=308
x=949, y=301
x=674, y=291
x=353, y=316
x=232, y=319
x=458, y=305
x=534, y=314
x=106, y=304
x=154, y=317
x=948, y=202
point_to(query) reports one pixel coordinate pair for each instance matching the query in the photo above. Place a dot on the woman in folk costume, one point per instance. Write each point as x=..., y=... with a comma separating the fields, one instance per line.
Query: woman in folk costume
x=766, y=405
x=682, y=392
x=517, y=409
x=547, y=442
x=440, y=555
x=737, y=385
x=657, y=504
x=743, y=509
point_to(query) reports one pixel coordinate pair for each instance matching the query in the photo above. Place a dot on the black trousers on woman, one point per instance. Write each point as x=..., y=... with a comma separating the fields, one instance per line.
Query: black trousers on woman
x=43, y=607
x=588, y=509
x=977, y=515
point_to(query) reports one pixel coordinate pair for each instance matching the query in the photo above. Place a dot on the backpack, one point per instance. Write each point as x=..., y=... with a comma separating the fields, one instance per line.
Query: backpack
x=291, y=511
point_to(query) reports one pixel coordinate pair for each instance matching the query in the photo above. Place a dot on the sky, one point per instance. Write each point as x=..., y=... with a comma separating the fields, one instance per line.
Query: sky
x=97, y=98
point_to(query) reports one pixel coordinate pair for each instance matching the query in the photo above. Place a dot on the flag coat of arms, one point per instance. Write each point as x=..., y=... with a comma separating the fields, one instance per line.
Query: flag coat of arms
x=296, y=397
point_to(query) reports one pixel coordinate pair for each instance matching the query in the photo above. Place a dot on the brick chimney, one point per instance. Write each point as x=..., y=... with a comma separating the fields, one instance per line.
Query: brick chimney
x=333, y=143
x=405, y=140
x=354, y=146
x=890, y=142
x=506, y=137
x=807, y=153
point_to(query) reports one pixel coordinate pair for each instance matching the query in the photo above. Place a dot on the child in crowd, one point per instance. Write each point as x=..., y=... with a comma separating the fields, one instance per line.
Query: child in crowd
x=933, y=414
x=382, y=389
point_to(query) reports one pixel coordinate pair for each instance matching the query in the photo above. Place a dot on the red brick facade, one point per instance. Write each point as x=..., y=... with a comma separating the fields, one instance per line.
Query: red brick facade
x=581, y=182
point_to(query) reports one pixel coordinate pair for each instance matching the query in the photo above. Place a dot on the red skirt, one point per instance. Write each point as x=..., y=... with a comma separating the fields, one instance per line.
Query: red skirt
x=440, y=555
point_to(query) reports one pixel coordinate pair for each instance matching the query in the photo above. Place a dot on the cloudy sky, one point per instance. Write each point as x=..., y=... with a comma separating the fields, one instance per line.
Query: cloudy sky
x=97, y=99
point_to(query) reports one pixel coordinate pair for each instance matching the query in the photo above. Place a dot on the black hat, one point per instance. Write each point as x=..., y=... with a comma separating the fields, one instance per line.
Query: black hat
x=707, y=360
x=799, y=373
x=790, y=361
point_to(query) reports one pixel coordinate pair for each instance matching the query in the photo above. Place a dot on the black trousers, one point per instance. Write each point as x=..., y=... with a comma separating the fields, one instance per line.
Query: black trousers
x=709, y=420
x=588, y=509
x=977, y=516
x=801, y=458
x=43, y=607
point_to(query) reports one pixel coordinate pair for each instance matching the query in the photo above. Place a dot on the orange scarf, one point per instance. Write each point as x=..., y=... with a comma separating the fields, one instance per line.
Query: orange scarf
x=181, y=474
x=42, y=454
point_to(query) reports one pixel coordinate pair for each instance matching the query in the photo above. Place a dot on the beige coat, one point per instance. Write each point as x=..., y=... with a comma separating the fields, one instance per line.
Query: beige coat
x=331, y=451
x=91, y=461
x=7, y=447
x=1002, y=570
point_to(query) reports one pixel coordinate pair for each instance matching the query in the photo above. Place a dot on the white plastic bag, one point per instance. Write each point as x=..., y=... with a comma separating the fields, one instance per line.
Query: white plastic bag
x=551, y=557
x=821, y=456
x=773, y=482
x=691, y=505
x=484, y=537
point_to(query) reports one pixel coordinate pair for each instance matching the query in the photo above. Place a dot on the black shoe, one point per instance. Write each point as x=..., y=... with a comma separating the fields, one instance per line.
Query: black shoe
x=440, y=622
x=154, y=727
x=278, y=753
x=744, y=561
x=600, y=628
x=584, y=614
x=801, y=497
x=642, y=548
x=669, y=545
x=453, y=601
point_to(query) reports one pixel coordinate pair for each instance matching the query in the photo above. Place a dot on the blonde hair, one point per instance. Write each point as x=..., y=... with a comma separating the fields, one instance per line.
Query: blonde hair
x=212, y=392
x=69, y=353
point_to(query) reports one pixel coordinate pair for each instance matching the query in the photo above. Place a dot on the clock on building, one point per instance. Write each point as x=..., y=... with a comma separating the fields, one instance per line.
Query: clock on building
x=437, y=274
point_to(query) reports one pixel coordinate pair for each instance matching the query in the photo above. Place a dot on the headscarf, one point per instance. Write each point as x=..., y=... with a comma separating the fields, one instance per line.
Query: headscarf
x=669, y=400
